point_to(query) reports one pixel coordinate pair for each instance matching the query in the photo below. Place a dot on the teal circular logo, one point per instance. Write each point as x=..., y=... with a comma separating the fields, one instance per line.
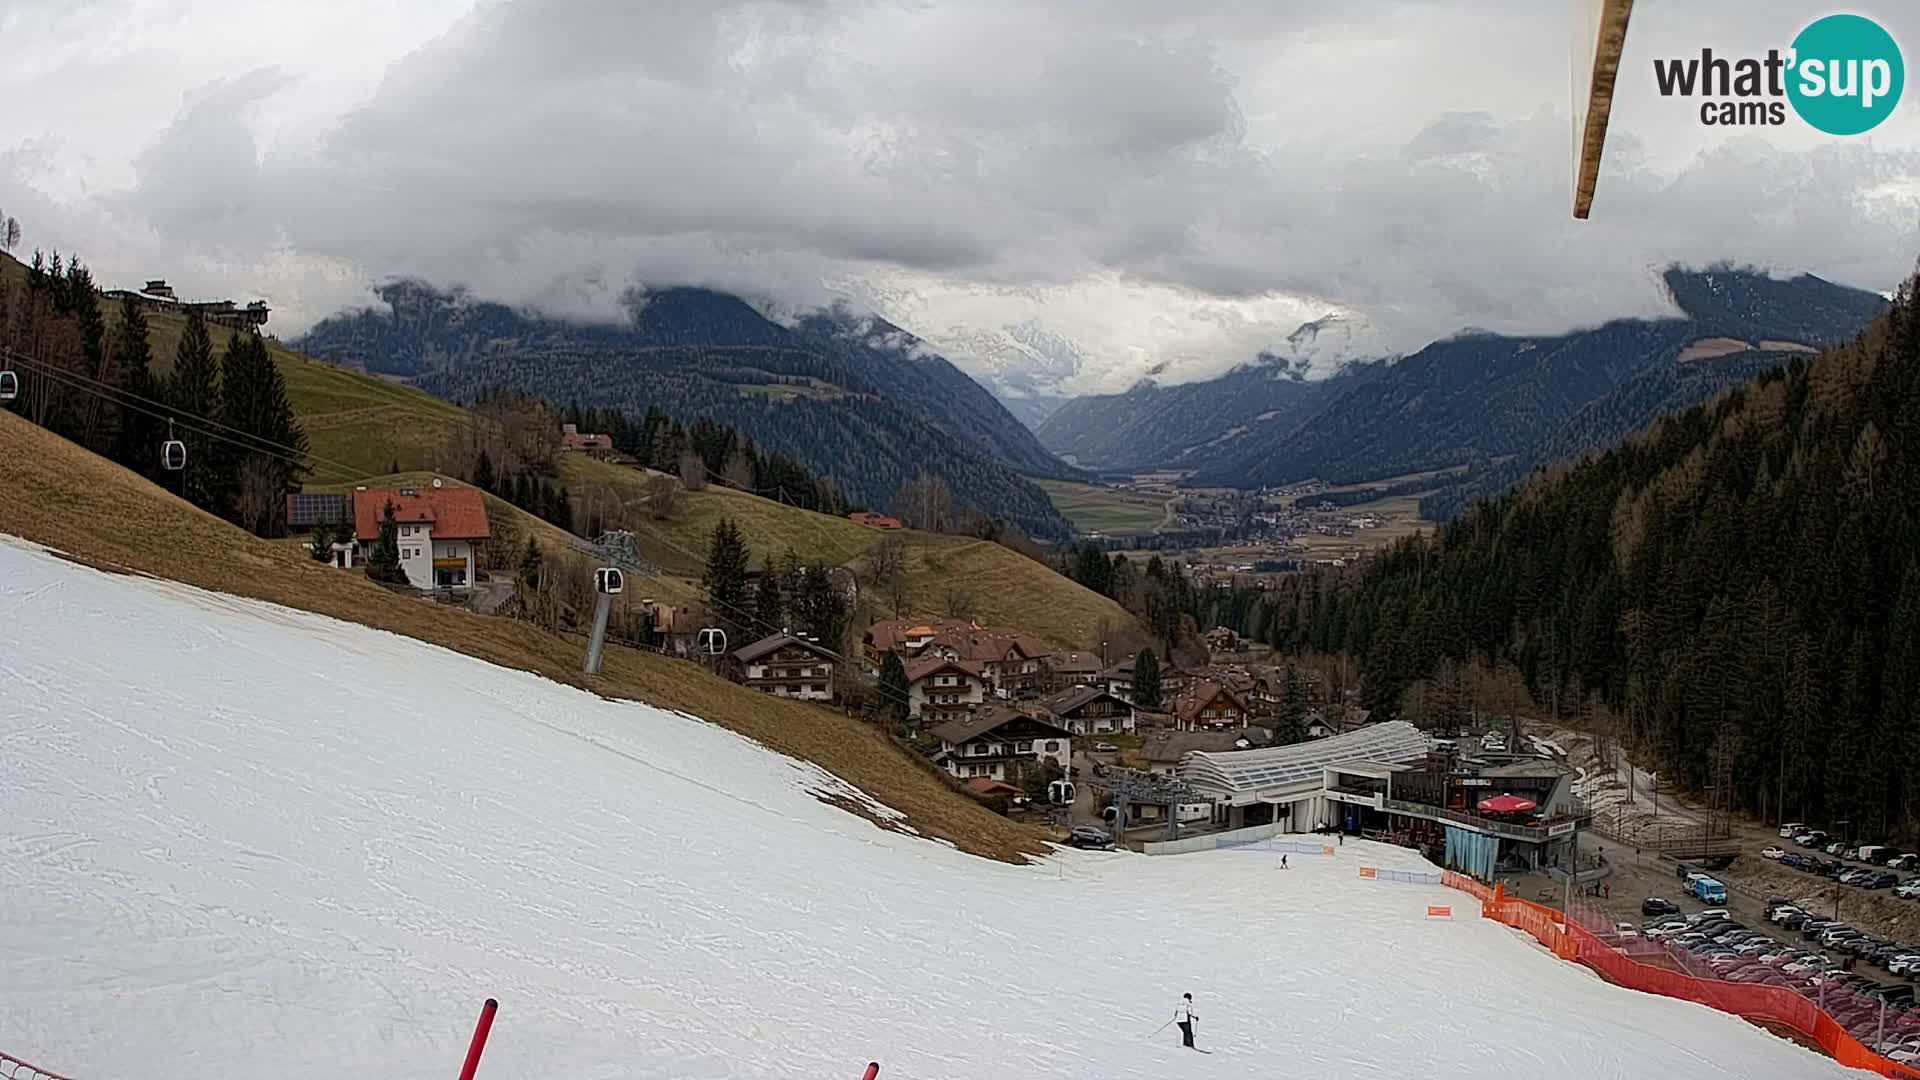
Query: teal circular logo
x=1846, y=74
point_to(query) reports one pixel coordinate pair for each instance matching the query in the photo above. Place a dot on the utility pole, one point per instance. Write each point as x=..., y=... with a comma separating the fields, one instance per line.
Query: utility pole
x=1573, y=869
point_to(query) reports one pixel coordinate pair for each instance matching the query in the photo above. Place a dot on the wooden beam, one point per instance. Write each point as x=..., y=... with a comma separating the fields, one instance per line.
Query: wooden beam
x=1606, y=66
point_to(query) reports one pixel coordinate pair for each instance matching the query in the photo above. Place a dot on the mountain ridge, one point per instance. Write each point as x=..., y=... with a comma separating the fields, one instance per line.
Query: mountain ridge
x=855, y=399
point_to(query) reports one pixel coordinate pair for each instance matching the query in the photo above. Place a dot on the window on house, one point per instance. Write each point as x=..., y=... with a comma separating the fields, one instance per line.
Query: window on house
x=1053, y=746
x=1025, y=747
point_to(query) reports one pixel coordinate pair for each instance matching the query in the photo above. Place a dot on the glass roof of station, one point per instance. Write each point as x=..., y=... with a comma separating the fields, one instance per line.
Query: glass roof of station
x=1394, y=743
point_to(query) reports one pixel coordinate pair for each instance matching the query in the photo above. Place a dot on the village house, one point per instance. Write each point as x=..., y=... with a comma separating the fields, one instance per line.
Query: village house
x=1209, y=706
x=1074, y=669
x=783, y=665
x=874, y=521
x=672, y=628
x=1012, y=663
x=939, y=690
x=573, y=440
x=439, y=529
x=1119, y=680
x=1089, y=710
x=157, y=295
x=995, y=741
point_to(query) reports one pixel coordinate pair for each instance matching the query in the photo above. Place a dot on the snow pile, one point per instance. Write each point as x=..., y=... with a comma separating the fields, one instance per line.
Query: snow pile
x=237, y=840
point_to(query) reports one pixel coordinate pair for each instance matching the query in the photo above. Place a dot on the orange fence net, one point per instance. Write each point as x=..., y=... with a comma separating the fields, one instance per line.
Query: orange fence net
x=1762, y=1004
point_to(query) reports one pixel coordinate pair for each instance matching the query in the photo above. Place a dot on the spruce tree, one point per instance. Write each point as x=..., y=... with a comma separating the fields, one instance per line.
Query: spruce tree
x=530, y=565
x=194, y=390
x=321, y=546
x=725, y=579
x=1146, y=680
x=1292, y=724
x=821, y=607
x=892, y=690
x=383, y=559
x=137, y=443
x=769, y=605
x=483, y=472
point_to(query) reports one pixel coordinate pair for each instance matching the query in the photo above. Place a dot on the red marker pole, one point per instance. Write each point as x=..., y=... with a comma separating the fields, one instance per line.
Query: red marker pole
x=479, y=1039
x=873, y=1070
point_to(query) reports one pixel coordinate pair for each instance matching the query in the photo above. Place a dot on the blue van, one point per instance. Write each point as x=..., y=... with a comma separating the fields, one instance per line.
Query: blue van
x=1709, y=891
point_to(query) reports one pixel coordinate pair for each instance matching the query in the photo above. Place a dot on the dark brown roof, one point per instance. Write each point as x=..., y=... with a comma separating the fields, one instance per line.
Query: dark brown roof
x=1073, y=697
x=989, y=718
x=1167, y=746
x=930, y=665
x=774, y=643
x=1076, y=662
x=1200, y=695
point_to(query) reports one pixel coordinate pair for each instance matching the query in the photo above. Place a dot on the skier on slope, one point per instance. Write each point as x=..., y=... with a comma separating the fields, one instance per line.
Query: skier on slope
x=1186, y=1018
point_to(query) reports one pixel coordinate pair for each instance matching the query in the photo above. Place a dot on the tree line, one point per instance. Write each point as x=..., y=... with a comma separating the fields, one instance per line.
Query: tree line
x=98, y=386
x=793, y=595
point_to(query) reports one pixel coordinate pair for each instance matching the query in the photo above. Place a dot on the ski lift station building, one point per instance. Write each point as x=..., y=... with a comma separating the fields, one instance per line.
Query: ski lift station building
x=1298, y=785
x=1387, y=778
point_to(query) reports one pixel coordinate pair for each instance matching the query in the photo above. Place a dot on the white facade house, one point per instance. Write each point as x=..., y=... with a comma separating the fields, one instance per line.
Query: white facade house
x=939, y=690
x=995, y=741
x=436, y=530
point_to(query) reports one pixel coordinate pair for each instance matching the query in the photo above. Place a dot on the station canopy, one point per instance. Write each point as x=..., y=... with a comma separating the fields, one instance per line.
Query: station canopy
x=1247, y=771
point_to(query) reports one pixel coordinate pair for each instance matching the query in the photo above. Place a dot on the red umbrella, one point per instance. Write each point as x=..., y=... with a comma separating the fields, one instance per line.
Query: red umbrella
x=1506, y=804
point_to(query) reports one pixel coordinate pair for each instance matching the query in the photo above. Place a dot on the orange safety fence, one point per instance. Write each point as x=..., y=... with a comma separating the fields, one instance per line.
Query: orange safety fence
x=1761, y=1004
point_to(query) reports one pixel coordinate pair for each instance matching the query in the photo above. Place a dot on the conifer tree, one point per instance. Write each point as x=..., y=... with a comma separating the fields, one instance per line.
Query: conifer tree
x=137, y=442
x=769, y=605
x=725, y=579
x=383, y=559
x=483, y=472
x=194, y=390
x=1292, y=721
x=892, y=690
x=1146, y=681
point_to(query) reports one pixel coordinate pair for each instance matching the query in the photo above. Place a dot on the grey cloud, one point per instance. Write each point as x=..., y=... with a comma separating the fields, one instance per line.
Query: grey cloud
x=556, y=153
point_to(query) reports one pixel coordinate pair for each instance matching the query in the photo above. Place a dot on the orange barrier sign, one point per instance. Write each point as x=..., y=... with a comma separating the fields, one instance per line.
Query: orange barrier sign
x=1326, y=851
x=1369, y=872
x=1439, y=911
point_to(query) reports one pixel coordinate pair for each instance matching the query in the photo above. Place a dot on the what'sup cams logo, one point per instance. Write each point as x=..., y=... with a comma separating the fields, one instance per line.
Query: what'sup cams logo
x=1842, y=74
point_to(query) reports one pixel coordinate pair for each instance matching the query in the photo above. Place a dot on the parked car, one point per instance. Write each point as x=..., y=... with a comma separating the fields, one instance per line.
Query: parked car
x=1774, y=902
x=1654, y=905
x=1772, y=852
x=1105, y=748
x=1812, y=838
x=1089, y=836
x=1878, y=854
x=1684, y=869
x=1880, y=880
x=1835, y=848
x=1778, y=915
x=1792, y=829
x=1907, y=862
x=1795, y=920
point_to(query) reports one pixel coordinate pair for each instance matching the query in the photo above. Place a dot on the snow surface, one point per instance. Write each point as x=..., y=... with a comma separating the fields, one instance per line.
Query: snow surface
x=238, y=840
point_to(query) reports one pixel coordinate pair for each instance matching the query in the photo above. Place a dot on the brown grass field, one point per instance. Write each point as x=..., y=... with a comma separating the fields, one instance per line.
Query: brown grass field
x=100, y=514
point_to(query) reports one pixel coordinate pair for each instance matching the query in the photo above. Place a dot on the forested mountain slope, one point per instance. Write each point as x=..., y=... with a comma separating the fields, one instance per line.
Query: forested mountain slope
x=1481, y=399
x=1152, y=426
x=1742, y=582
x=858, y=402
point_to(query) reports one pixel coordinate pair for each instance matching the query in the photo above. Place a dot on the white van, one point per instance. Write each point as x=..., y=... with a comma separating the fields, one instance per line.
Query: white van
x=1793, y=828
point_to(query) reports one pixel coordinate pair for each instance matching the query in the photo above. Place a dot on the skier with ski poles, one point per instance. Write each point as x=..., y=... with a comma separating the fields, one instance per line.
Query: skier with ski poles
x=1186, y=1018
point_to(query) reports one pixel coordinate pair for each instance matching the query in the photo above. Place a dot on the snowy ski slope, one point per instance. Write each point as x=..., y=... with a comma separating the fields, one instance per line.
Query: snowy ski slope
x=241, y=841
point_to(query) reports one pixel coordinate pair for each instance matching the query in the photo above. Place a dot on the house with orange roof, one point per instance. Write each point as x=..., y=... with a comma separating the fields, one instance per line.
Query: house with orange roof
x=440, y=529
x=874, y=521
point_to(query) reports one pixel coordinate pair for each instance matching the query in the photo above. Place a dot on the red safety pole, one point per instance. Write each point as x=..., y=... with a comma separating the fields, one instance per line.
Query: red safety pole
x=873, y=1070
x=479, y=1039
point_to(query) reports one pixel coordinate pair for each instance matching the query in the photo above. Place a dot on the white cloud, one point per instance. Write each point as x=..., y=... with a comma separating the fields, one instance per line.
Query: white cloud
x=1069, y=196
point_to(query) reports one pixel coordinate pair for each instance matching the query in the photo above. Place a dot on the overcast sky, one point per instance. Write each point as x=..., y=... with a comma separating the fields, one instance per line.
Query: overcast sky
x=1138, y=184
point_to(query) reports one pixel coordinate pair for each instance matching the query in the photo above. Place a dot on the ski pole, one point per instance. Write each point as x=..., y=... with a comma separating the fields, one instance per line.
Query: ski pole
x=1161, y=1028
